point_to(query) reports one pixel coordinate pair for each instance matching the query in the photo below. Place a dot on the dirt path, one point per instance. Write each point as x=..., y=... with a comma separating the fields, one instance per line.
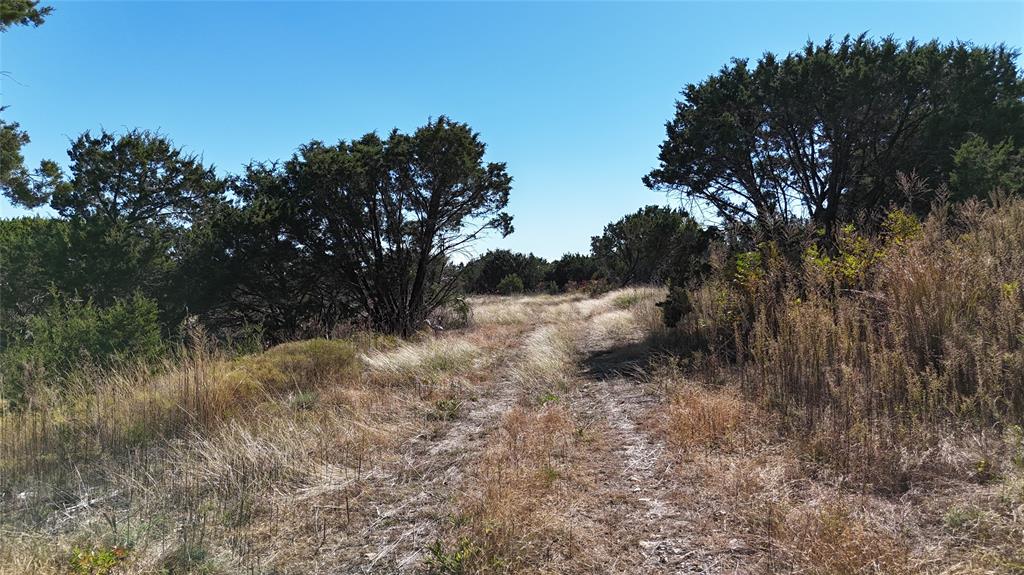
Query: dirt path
x=626, y=507
x=418, y=507
x=645, y=531
x=422, y=489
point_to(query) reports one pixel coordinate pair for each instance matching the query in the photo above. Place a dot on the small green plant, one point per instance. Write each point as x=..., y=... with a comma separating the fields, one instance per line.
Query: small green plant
x=968, y=520
x=441, y=561
x=1010, y=290
x=547, y=398
x=96, y=561
x=549, y=474
x=1015, y=439
x=748, y=270
x=900, y=226
x=303, y=400
x=446, y=409
x=985, y=471
x=626, y=300
x=676, y=306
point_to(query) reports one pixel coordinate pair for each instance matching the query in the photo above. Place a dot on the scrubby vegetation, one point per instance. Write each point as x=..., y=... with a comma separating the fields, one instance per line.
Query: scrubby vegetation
x=292, y=370
x=888, y=376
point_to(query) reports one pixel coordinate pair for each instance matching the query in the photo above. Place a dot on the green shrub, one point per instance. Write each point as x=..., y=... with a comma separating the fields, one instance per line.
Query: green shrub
x=510, y=284
x=98, y=561
x=675, y=306
x=71, y=334
x=442, y=561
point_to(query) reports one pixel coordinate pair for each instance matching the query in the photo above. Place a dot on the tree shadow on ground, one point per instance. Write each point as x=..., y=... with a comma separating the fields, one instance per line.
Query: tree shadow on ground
x=619, y=360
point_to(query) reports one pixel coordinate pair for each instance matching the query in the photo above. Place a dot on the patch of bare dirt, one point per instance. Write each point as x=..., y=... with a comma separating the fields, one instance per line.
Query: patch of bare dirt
x=632, y=503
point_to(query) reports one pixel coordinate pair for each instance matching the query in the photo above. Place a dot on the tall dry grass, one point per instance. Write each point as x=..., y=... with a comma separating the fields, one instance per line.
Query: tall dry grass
x=860, y=412
x=216, y=464
x=898, y=339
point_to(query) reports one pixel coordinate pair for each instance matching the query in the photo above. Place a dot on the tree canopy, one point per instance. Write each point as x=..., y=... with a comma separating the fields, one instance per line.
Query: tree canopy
x=485, y=273
x=22, y=13
x=649, y=246
x=368, y=227
x=822, y=134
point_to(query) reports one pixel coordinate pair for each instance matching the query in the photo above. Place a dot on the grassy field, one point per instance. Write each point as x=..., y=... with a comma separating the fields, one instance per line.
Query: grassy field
x=554, y=434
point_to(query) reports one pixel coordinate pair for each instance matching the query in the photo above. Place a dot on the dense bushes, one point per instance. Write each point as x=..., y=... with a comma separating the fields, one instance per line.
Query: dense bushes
x=653, y=245
x=485, y=273
x=71, y=333
x=573, y=269
x=318, y=239
x=510, y=284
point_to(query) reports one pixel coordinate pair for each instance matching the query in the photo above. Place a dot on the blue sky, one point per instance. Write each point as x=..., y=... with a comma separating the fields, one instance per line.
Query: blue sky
x=573, y=96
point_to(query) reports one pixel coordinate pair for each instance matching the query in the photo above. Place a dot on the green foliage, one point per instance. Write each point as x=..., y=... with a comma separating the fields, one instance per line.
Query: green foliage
x=22, y=13
x=900, y=227
x=306, y=245
x=35, y=256
x=676, y=306
x=125, y=207
x=71, y=333
x=484, y=274
x=749, y=270
x=856, y=254
x=348, y=246
x=980, y=169
x=447, y=409
x=136, y=178
x=14, y=178
x=772, y=143
x=573, y=269
x=626, y=300
x=441, y=561
x=547, y=397
x=510, y=284
x=653, y=245
x=96, y=561
x=849, y=267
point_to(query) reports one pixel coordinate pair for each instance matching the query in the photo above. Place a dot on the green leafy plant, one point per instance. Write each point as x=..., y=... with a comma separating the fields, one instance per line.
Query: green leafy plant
x=447, y=409
x=547, y=398
x=442, y=561
x=96, y=561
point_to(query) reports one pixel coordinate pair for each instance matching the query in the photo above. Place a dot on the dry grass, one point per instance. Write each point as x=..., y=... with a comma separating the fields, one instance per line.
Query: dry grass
x=521, y=310
x=698, y=419
x=875, y=357
x=220, y=465
x=805, y=444
x=548, y=361
x=515, y=512
x=511, y=517
x=754, y=504
x=425, y=363
x=278, y=461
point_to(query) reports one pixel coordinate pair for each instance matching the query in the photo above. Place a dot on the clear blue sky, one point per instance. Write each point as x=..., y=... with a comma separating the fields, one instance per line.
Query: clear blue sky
x=573, y=96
